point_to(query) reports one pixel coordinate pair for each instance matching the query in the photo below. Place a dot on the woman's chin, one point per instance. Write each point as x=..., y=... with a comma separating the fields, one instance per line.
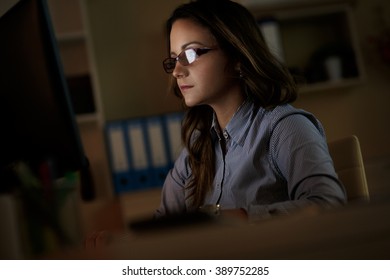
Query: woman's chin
x=190, y=103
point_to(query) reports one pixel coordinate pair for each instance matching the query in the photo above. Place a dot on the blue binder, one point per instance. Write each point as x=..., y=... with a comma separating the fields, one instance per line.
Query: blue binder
x=138, y=153
x=157, y=148
x=117, y=150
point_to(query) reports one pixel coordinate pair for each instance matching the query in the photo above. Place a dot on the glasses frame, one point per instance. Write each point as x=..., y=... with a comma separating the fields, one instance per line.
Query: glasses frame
x=185, y=58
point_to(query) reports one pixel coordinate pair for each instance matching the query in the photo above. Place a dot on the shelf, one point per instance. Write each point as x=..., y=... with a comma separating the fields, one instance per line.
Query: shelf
x=327, y=85
x=87, y=118
x=310, y=36
x=67, y=18
x=71, y=37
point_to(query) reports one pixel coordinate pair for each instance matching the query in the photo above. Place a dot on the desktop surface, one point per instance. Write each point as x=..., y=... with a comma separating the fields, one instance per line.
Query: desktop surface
x=356, y=231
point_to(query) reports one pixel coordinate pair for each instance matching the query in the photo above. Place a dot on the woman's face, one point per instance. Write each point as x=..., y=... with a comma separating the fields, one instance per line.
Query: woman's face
x=207, y=80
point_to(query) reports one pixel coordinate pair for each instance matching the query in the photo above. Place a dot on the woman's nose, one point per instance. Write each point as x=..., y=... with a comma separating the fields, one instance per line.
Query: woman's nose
x=179, y=71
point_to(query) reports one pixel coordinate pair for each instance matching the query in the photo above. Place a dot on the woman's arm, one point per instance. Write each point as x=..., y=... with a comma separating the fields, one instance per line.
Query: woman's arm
x=299, y=153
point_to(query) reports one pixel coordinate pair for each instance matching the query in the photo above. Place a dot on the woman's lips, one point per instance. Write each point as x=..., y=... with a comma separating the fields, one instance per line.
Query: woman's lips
x=185, y=87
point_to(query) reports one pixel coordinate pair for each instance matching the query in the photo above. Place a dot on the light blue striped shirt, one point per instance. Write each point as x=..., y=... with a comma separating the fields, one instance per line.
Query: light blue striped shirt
x=276, y=161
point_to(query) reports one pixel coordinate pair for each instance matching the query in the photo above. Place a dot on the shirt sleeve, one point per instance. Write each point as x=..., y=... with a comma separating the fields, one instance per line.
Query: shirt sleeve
x=299, y=154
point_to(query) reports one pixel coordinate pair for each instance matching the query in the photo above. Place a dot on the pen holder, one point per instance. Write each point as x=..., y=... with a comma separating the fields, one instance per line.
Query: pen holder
x=50, y=219
x=48, y=212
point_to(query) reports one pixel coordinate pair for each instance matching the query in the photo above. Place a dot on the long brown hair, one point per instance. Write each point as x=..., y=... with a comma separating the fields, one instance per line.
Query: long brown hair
x=265, y=81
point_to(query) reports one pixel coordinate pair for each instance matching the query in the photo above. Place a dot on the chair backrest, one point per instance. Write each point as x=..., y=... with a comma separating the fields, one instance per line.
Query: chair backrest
x=349, y=166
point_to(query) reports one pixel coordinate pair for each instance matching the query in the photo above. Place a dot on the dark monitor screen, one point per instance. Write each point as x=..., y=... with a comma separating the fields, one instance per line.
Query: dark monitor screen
x=37, y=122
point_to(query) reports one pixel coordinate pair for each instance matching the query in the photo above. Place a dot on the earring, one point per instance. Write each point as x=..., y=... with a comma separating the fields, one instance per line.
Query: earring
x=238, y=69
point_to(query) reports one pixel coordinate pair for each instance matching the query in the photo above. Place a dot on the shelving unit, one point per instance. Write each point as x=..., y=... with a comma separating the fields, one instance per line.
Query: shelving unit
x=71, y=39
x=312, y=33
x=69, y=23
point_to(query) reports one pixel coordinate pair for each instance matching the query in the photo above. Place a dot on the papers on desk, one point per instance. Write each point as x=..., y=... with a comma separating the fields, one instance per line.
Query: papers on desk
x=142, y=150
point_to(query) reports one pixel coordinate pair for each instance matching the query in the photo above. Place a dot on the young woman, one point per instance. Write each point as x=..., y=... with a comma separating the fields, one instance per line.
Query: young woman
x=247, y=150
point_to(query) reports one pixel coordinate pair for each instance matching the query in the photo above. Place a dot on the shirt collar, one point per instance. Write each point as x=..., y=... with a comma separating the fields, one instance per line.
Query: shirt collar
x=238, y=127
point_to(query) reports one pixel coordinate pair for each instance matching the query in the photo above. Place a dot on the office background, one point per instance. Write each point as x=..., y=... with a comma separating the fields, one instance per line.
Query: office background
x=120, y=44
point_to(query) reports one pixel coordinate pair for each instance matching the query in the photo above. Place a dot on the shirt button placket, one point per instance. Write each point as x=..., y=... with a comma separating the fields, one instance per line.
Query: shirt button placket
x=225, y=135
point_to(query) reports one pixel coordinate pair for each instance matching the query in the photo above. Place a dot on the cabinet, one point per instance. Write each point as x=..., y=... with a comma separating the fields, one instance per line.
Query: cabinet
x=69, y=29
x=318, y=42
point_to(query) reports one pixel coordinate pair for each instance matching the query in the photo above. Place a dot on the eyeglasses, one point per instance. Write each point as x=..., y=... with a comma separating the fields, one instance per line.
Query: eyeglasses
x=185, y=58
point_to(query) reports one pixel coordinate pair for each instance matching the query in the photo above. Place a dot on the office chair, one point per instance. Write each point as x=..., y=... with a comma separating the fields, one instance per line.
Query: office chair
x=349, y=166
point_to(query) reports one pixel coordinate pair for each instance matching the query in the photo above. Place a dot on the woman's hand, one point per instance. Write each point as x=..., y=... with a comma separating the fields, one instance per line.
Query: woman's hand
x=97, y=239
x=235, y=213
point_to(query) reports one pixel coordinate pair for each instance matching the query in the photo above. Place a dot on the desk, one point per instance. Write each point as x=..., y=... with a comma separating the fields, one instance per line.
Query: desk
x=356, y=231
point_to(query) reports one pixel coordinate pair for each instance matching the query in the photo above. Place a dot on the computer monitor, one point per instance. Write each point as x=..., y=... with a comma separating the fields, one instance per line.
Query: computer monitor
x=37, y=121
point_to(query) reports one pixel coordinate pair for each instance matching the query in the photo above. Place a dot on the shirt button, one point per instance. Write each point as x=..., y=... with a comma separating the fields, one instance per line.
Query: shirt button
x=225, y=134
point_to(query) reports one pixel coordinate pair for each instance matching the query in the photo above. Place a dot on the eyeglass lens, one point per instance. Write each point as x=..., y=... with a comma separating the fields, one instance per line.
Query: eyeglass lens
x=185, y=58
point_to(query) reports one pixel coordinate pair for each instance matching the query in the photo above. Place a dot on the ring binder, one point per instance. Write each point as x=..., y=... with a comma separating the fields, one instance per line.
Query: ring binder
x=143, y=150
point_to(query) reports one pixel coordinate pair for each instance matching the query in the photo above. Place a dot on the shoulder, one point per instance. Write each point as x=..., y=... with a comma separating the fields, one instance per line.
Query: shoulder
x=287, y=117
